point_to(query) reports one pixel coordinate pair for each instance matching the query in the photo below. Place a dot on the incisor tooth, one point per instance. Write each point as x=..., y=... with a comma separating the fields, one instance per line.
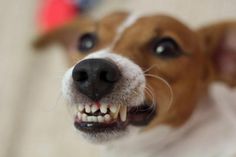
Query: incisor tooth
x=107, y=117
x=87, y=108
x=81, y=108
x=123, y=113
x=100, y=119
x=90, y=118
x=103, y=108
x=94, y=108
x=79, y=115
x=113, y=108
x=84, y=117
x=94, y=119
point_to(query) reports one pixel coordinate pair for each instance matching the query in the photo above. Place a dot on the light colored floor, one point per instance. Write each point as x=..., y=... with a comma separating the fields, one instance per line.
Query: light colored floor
x=34, y=120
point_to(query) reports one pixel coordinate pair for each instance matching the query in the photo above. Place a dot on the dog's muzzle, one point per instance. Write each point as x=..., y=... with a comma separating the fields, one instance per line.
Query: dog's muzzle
x=108, y=92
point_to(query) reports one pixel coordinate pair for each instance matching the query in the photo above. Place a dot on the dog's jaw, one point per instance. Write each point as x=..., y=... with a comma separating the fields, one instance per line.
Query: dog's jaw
x=129, y=91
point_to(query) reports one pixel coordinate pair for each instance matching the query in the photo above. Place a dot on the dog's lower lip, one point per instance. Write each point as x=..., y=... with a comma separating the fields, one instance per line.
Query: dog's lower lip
x=92, y=127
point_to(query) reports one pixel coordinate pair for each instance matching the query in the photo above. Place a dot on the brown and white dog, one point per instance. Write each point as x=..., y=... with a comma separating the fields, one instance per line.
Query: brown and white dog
x=140, y=84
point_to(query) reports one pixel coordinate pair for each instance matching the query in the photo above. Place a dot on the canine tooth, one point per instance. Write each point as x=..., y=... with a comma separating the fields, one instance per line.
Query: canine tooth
x=90, y=118
x=81, y=108
x=94, y=118
x=94, y=108
x=115, y=115
x=100, y=119
x=103, y=108
x=107, y=117
x=84, y=117
x=87, y=108
x=113, y=108
x=123, y=113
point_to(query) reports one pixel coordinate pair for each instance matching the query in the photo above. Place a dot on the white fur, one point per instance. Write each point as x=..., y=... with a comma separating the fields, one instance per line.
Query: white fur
x=133, y=79
x=210, y=132
x=124, y=64
x=131, y=19
x=132, y=75
x=129, y=90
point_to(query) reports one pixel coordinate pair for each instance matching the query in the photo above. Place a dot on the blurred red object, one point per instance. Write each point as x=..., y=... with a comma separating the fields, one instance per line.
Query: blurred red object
x=54, y=13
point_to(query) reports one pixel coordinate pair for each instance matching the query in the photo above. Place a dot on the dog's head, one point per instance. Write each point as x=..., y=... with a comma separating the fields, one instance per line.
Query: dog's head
x=140, y=71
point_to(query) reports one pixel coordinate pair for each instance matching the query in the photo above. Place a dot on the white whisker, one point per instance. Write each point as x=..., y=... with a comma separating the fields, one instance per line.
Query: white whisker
x=153, y=106
x=151, y=67
x=148, y=90
x=168, y=85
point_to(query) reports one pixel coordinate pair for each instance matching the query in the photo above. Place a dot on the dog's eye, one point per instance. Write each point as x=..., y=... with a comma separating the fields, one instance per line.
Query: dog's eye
x=166, y=47
x=86, y=42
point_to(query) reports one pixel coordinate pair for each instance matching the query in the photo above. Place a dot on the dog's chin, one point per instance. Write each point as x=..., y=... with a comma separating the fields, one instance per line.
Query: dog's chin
x=104, y=137
x=102, y=132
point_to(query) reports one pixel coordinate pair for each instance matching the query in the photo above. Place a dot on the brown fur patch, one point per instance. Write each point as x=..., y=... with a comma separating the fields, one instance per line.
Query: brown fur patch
x=188, y=75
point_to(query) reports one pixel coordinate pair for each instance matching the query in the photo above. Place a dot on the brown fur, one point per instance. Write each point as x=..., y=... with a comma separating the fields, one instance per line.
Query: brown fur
x=189, y=75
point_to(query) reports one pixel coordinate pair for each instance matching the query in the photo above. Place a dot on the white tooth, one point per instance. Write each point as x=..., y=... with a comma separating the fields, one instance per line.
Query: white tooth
x=94, y=108
x=81, y=108
x=123, y=113
x=100, y=119
x=84, y=117
x=90, y=118
x=79, y=115
x=103, y=108
x=115, y=115
x=107, y=117
x=113, y=108
x=87, y=108
x=94, y=119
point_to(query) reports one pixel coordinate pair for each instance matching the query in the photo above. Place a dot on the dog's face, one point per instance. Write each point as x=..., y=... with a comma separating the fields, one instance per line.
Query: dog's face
x=140, y=71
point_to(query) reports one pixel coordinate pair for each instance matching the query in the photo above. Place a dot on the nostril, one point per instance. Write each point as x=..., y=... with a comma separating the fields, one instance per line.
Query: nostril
x=83, y=76
x=103, y=76
x=109, y=76
x=80, y=76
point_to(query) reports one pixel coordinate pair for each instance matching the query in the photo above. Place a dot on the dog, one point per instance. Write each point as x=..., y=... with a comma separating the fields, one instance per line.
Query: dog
x=140, y=84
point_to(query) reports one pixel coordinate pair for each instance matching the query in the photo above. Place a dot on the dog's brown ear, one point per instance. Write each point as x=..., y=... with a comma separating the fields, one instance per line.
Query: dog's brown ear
x=220, y=46
x=63, y=34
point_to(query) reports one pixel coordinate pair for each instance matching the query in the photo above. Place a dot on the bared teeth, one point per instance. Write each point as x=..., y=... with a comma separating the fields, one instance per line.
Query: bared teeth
x=81, y=108
x=103, y=108
x=84, y=117
x=85, y=113
x=90, y=119
x=95, y=119
x=107, y=118
x=115, y=114
x=123, y=113
x=94, y=108
x=87, y=109
x=113, y=108
x=100, y=119
x=79, y=115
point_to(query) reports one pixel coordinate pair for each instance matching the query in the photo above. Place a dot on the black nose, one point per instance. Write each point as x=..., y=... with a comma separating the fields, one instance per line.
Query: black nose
x=95, y=78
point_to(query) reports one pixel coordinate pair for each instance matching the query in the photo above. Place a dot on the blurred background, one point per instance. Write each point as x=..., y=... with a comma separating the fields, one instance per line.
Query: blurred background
x=34, y=120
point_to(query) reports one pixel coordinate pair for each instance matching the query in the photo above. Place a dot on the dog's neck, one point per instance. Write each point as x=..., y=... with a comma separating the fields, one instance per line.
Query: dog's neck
x=209, y=124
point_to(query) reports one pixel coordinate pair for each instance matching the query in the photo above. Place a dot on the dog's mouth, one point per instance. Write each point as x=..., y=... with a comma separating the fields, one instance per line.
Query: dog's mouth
x=99, y=118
